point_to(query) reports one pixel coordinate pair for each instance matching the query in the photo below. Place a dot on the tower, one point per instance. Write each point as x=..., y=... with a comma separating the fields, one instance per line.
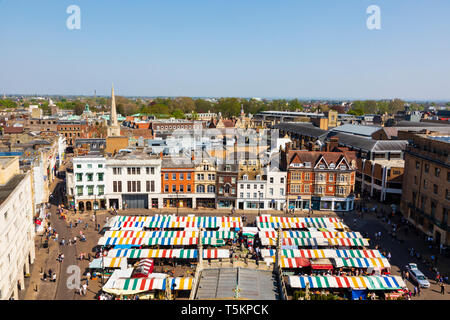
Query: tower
x=113, y=128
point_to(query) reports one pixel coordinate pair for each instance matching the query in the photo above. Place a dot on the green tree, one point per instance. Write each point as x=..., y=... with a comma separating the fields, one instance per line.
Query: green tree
x=177, y=114
x=7, y=103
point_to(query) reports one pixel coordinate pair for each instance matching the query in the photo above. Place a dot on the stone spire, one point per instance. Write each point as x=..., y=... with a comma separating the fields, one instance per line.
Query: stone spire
x=113, y=109
x=113, y=128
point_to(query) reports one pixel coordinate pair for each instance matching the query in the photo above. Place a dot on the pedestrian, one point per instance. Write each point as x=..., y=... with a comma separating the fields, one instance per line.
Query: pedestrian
x=418, y=290
x=63, y=241
x=54, y=277
x=389, y=256
x=415, y=291
x=70, y=225
x=84, y=289
x=442, y=288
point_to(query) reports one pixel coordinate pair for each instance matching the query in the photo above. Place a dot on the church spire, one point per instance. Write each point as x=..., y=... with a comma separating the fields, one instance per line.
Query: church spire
x=113, y=108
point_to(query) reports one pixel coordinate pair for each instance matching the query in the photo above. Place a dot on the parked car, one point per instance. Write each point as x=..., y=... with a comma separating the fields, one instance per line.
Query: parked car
x=417, y=276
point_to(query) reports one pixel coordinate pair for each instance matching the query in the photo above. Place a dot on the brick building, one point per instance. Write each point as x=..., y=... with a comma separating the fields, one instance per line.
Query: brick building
x=321, y=180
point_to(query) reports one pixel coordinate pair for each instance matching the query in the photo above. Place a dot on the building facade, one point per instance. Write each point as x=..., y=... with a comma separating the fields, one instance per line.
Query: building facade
x=321, y=180
x=17, y=249
x=426, y=201
x=133, y=181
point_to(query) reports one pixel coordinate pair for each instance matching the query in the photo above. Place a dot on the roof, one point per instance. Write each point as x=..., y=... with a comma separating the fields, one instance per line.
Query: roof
x=367, y=144
x=355, y=129
x=221, y=283
x=306, y=129
x=313, y=157
x=10, y=130
x=8, y=188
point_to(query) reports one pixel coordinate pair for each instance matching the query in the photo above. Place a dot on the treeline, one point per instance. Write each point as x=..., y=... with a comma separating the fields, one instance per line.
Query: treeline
x=360, y=108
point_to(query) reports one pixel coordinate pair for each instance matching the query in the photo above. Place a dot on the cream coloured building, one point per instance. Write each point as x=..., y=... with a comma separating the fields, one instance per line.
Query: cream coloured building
x=17, y=250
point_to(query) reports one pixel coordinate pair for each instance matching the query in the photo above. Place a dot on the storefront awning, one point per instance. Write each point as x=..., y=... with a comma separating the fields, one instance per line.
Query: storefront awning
x=321, y=264
x=348, y=242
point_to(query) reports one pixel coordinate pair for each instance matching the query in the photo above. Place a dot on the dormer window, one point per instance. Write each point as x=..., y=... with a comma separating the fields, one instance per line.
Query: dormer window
x=343, y=167
x=322, y=166
x=308, y=164
x=332, y=166
x=245, y=177
x=258, y=177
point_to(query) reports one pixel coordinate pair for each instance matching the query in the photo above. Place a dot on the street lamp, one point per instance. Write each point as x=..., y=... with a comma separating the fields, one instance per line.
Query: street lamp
x=259, y=203
x=176, y=191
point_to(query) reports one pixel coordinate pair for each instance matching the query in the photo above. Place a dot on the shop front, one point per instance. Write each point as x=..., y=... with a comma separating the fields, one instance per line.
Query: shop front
x=299, y=203
x=227, y=203
x=180, y=201
x=206, y=203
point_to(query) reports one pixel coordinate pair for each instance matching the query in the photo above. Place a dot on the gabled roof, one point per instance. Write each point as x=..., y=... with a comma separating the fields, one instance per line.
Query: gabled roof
x=314, y=157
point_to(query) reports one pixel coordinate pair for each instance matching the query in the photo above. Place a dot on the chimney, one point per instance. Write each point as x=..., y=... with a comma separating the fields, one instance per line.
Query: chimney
x=333, y=143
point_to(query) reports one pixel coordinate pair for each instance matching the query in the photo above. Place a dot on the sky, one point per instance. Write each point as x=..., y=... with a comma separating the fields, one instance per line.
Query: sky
x=217, y=48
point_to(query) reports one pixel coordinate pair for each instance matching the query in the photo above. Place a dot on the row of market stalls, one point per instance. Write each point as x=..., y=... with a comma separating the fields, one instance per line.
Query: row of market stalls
x=170, y=241
x=326, y=254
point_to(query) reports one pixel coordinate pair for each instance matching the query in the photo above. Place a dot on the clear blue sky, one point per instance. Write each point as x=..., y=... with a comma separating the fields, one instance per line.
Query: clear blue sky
x=248, y=48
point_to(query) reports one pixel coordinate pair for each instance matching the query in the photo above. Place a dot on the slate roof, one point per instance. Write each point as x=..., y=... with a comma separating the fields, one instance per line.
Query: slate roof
x=368, y=144
x=305, y=129
x=355, y=129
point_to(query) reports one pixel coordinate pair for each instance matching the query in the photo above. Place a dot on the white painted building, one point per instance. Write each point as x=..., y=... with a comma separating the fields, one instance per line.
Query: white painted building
x=88, y=182
x=276, y=189
x=17, y=249
x=252, y=194
x=133, y=181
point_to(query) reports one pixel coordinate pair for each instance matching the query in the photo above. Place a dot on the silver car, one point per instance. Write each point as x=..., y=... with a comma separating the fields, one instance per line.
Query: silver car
x=416, y=275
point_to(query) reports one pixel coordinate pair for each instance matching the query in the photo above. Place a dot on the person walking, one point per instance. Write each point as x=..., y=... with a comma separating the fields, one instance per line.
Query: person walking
x=415, y=291
x=84, y=288
x=442, y=288
x=418, y=290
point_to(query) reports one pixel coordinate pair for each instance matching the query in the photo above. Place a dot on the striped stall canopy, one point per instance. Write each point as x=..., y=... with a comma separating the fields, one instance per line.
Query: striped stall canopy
x=216, y=253
x=300, y=242
x=108, y=262
x=293, y=263
x=358, y=254
x=366, y=282
x=322, y=253
x=297, y=253
x=140, y=284
x=154, y=253
x=170, y=234
x=128, y=224
x=181, y=283
x=146, y=265
x=348, y=242
x=362, y=262
x=305, y=234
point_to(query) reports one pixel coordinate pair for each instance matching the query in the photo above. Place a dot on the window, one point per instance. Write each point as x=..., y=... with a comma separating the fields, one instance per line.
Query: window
x=261, y=186
x=255, y=195
x=89, y=165
x=100, y=176
x=417, y=165
x=448, y=176
x=119, y=186
x=427, y=168
x=282, y=180
x=174, y=188
x=211, y=189
x=233, y=190
x=248, y=194
x=138, y=186
x=233, y=180
x=79, y=177
x=181, y=188
x=255, y=186
x=129, y=186
x=282, y=191
x=152, y=170
x=307, y=188
x=79, y=166
x=90, y=176
x=241, y=195
x=114, y=186
x=133, y=170
x=200, y=188
x=166, y=188
x=425, y=184
x=181, y=176
x=188, y=187
x=245, y=177
x=330, y=177
x=90, y=190
x=100, y=165
x=166, y=176
x=79, y=191
x=101, y=190
x=271, y=179
x=415, y=179
x=138, y=170
x=271, y=191
x=437, y=172
x=128, y=170
x=447, y=194
x=435, y=189
x=152, y=186
x=306, y=176
x=188, y=176
x=248, y=186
